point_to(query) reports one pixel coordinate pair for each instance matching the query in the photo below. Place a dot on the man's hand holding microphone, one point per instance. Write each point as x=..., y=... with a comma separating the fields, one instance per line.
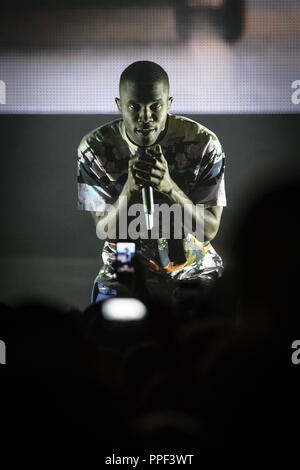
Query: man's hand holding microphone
x=150, y=171
x=151, y=167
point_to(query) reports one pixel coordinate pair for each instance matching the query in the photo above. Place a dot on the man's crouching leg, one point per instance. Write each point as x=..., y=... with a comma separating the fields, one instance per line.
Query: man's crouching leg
x=101, y=292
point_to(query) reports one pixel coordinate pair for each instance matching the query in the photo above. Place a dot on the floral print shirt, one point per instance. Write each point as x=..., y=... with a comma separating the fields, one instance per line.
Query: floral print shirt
x=196, y=163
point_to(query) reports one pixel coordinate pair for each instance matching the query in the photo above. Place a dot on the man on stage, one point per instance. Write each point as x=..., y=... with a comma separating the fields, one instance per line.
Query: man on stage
x=148, y=146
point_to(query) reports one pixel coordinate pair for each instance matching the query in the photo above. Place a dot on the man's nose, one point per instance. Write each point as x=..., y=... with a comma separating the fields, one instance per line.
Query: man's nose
x=145, y=114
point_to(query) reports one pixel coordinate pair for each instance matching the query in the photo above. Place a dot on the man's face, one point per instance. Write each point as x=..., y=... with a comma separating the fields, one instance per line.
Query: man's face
x=144, y=107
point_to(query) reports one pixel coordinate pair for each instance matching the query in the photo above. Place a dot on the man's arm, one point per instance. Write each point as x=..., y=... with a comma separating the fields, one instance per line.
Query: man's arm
x=108, y=220
x=96, y=216
x=213, y=221
x=210, y=218
x=156, y=172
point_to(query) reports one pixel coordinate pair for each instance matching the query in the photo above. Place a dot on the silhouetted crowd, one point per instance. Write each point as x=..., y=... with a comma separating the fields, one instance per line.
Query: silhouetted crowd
x=208, y=368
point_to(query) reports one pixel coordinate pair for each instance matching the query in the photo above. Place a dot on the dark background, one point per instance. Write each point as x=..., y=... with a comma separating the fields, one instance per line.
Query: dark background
x=50, y=249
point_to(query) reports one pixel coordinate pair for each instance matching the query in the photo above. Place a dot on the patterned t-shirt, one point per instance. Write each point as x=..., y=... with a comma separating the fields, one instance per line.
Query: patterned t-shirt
x=196, y=163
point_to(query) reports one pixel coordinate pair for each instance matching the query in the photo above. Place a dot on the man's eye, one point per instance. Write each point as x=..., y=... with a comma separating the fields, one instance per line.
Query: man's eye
x=156, y=107
x=133, y=107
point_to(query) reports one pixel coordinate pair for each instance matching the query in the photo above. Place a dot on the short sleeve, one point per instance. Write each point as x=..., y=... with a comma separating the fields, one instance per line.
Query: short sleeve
x=209, y=188
x=94, y=193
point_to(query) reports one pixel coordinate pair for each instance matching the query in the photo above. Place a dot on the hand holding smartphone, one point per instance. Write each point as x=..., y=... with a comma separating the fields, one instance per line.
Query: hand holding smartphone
x=125, y=260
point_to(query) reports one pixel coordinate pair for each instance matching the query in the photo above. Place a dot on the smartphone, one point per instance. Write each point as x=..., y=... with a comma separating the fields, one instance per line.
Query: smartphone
x=125, y=258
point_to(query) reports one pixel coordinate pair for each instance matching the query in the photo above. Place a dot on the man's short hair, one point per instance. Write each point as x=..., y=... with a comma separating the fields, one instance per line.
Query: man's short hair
x=144, y=71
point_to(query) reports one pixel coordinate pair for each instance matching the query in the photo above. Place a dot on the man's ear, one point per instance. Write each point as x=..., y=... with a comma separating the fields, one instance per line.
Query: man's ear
x=118, y=103
x=170, y=100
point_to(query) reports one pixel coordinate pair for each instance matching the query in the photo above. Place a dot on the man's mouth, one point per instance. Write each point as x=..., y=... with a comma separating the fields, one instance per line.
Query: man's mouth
x=145, y=131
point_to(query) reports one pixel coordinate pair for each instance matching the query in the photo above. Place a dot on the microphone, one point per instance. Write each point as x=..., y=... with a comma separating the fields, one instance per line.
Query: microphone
x=147, y=197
